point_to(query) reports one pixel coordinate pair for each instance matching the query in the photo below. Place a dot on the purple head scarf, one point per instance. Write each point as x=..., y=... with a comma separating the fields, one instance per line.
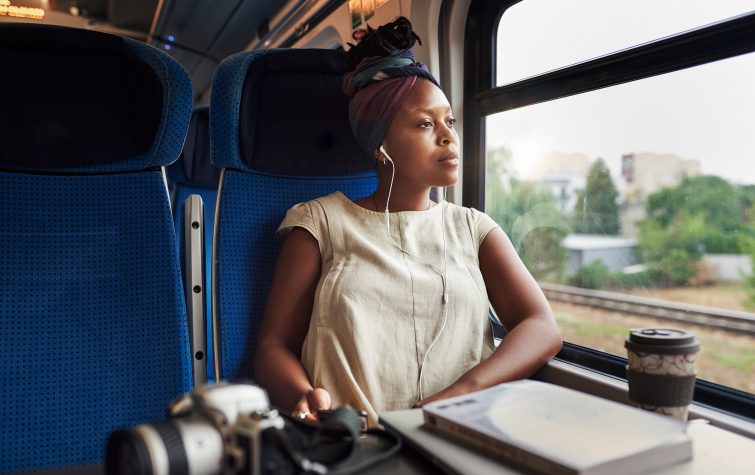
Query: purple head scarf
x=378, y=87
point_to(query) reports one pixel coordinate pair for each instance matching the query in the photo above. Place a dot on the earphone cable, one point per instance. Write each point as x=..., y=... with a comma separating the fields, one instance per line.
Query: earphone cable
x=388, y=229
x=445, y=304
x=442, y=274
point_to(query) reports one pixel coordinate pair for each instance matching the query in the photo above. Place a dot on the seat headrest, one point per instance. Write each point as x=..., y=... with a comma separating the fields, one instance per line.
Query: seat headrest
x=193, y=168
x=284, y=112
x=77, y=100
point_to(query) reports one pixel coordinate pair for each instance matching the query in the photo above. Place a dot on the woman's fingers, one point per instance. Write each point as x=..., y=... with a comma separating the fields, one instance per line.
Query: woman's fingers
x=307, y=407
x=319, y=399
x=302, y=410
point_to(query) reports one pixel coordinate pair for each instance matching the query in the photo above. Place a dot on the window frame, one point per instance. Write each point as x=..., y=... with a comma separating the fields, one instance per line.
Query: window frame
x=720, y=40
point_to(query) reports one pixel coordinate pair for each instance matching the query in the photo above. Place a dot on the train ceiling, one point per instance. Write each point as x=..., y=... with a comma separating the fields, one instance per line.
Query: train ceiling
x=198, y=33
x=201, y=33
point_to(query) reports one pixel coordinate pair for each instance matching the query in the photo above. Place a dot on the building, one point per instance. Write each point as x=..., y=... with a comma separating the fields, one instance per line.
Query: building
x=614, y=251
x=645, y=173
x=564, y=187
x=563, y=175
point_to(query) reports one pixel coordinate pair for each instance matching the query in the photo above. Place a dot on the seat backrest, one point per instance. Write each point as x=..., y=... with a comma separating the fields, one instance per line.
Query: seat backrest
x=194, y=174
x=280, y=131
x=92, y=317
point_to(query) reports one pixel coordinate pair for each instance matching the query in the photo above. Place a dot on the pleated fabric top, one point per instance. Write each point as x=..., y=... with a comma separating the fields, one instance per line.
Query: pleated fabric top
x=377, y=310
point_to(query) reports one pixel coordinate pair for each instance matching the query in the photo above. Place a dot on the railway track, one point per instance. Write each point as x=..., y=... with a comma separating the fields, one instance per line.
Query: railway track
x=739, y=322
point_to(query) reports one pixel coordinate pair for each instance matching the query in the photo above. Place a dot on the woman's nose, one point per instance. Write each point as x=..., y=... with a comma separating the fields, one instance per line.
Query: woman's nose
x=447, y=136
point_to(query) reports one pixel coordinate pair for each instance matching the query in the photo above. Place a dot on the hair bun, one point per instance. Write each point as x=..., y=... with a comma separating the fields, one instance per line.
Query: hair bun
x=393, y=36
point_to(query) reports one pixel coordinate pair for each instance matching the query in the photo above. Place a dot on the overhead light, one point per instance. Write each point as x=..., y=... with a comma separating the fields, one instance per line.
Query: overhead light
x=8, y=9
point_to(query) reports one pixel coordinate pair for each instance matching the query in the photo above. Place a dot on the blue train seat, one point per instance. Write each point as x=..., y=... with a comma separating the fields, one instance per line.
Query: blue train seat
x=194, y=174
x=92, y=318
x=280, y=132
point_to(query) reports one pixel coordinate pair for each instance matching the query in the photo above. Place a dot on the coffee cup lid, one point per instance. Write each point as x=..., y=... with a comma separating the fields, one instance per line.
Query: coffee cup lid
x=666, y=341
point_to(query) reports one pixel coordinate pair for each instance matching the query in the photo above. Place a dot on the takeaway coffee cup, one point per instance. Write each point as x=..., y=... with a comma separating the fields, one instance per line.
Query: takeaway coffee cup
x=661, y=370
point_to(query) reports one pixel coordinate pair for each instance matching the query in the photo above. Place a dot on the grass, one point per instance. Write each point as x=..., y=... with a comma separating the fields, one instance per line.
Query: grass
x=742, y=360
x=588, y=329
x=730, y=296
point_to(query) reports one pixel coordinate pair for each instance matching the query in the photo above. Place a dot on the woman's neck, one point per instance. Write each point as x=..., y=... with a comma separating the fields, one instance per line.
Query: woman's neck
x=401, y=199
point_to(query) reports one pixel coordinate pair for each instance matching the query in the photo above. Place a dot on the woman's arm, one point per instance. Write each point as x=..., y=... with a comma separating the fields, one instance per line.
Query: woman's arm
x=277, y=361
x=533, y=337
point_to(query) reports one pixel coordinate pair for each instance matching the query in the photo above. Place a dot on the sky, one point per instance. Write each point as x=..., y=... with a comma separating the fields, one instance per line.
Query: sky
x=676, y=113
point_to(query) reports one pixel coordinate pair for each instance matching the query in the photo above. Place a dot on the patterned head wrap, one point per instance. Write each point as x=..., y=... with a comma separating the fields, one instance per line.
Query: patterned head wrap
x=379, y=85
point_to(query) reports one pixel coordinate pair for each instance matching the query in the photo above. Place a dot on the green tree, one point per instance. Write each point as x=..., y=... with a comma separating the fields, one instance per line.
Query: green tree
x=703, y=214
x=596, y=210
x=718, y=203
x=528, y=215
x=673, y=250
x=747, y=197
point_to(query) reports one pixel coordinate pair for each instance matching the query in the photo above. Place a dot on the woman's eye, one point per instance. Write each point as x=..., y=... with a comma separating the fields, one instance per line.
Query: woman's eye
x=426, y=124
x=451, y=122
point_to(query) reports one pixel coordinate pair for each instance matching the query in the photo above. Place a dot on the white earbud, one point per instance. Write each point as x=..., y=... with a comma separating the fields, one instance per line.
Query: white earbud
x=385, y=154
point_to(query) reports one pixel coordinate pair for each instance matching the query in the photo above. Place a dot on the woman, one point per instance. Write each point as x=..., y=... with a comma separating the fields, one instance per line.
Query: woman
x=381, y=303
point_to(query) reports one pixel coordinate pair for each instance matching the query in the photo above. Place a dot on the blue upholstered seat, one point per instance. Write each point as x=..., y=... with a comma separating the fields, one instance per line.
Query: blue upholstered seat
x=92, y=318
x=194, y=174
x=280, y=131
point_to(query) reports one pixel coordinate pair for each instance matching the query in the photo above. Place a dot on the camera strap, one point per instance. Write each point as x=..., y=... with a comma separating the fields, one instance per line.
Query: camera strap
x=337, y=437
x=335, y=443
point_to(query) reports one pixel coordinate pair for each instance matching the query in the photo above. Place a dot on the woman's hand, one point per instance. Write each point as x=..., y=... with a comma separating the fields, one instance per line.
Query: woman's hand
x=462, y=386
x=314, y=400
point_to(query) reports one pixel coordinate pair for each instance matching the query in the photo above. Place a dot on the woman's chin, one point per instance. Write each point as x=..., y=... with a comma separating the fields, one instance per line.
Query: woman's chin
x=449, y=180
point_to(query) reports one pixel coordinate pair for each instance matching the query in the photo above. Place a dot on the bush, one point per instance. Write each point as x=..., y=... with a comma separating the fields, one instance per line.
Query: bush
x=718, y=241
x=596, y=275
x=705, y=274
x=542, y=253
x=593, y=275
x=678, y=267
x=650, y=277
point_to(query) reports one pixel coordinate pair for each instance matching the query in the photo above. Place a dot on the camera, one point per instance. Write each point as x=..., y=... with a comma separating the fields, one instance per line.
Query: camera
x=216, y=429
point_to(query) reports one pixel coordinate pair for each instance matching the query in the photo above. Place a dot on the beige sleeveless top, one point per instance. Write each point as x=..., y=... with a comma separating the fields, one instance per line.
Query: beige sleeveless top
x=377, y=310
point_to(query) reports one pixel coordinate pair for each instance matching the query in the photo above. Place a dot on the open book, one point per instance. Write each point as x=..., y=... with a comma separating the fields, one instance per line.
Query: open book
x=555, y=430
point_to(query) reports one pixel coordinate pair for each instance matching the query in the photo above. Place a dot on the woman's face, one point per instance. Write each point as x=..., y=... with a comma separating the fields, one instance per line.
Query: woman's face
x=422, y=140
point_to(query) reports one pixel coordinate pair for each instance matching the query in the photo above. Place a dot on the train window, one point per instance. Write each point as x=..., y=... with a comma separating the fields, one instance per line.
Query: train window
x=623, y=180
x=642, y=189
x=536, y=36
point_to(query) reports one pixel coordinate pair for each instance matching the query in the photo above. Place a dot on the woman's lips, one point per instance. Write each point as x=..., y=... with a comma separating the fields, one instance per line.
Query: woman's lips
x=450, y=160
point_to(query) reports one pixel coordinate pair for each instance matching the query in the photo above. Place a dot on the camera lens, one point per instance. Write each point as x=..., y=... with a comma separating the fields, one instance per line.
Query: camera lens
x=127, y=454
x=147, y=450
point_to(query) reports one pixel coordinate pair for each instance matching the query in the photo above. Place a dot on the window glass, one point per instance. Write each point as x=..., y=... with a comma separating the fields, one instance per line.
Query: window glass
x=536, y=36
x=645, y=188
